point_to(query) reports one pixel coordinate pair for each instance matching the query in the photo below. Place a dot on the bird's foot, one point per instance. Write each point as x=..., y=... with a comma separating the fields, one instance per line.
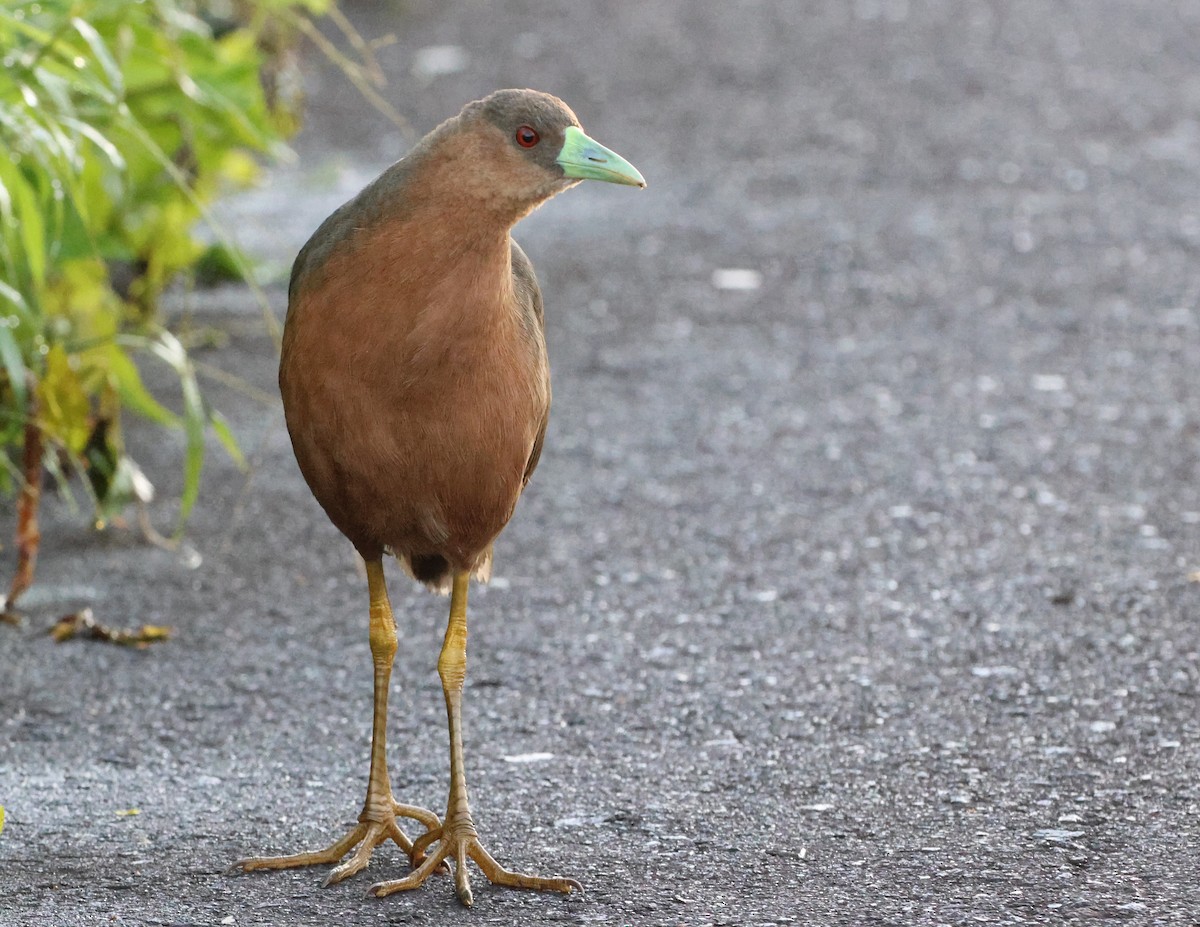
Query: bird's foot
x=457, y=840
x=366, y=836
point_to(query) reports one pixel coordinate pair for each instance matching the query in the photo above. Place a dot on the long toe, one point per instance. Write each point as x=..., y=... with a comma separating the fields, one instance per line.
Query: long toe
x=331, y=854
x=375, y=835
x=460, y=844
x=423, y=815
x=366, y=836
x=498, y=875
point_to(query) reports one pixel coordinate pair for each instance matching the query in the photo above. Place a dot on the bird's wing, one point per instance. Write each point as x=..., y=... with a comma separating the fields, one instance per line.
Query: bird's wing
x=529, y=298
x=385, y=195
x=536, y=454
x=529, y=294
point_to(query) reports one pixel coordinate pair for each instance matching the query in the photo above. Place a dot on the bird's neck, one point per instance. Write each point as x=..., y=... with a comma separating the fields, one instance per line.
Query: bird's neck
x=451, y=177
x=451, y=273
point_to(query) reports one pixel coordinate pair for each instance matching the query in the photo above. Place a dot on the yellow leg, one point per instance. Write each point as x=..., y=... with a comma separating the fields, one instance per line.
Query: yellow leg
x=457, y=838
x=377, y=821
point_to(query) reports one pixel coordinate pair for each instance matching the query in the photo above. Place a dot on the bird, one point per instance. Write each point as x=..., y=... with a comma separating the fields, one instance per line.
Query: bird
x=416, y=392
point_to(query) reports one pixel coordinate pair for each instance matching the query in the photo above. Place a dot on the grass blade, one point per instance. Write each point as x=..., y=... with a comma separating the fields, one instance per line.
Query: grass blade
x=14, y=366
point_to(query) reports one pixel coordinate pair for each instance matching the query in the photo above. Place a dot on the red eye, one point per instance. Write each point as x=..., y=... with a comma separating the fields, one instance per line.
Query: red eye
x=527, y=136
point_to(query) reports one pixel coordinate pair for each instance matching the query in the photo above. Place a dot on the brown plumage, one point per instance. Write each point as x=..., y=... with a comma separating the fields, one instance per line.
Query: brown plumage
x=409, y=301
x=416, y=389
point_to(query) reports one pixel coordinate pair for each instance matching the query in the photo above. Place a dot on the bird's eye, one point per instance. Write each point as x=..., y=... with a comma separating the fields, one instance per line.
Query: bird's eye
x=527, y=136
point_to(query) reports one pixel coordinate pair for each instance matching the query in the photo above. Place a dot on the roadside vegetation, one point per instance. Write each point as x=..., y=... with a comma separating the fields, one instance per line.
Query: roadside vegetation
x=120, y=122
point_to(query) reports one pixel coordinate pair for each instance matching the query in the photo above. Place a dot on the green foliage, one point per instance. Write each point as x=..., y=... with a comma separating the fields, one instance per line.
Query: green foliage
x=119, y=121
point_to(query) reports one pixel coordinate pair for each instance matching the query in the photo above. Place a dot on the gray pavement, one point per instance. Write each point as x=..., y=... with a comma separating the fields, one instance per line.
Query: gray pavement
x=859, y=596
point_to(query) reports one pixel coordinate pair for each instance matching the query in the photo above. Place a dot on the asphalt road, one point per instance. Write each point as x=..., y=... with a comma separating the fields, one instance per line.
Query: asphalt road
x=859, y=596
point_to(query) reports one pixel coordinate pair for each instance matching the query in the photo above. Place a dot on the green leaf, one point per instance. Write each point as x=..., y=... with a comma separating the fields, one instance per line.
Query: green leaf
x=111, y=69
x=27, y=216
x=17, y=301
x=193, y=423
x=97, y=138
x=63, y=404
x=133, y=393
x=224, y=434
x=167, y=347
x=14, y=367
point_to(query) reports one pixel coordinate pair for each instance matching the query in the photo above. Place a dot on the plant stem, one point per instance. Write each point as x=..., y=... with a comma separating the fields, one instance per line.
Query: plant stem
x=28, y=536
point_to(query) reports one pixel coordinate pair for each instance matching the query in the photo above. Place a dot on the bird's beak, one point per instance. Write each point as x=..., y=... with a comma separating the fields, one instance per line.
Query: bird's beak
x=584, y=159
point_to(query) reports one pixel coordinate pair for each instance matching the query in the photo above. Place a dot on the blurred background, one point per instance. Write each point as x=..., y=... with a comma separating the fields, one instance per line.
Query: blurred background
x=857, y=583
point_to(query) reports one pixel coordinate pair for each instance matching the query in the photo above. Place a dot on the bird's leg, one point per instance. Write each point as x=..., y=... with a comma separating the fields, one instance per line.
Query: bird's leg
x=457, y=838
x=377, y=821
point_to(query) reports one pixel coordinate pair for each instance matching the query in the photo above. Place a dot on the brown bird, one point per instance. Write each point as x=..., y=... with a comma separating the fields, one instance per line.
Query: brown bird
x=416, y=390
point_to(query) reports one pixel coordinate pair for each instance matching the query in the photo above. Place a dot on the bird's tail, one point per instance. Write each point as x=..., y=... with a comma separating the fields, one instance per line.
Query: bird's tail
x=435, y=571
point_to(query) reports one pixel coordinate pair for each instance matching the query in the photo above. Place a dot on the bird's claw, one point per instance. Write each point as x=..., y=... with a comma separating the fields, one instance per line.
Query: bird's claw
x=366, y=835
x=460, y=844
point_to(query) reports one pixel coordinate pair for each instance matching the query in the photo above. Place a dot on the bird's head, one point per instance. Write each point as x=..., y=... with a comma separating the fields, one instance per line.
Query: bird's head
x=522, y=147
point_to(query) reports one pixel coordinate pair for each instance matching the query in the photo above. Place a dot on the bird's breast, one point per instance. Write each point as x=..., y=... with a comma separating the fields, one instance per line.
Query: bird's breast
x=414, y=396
